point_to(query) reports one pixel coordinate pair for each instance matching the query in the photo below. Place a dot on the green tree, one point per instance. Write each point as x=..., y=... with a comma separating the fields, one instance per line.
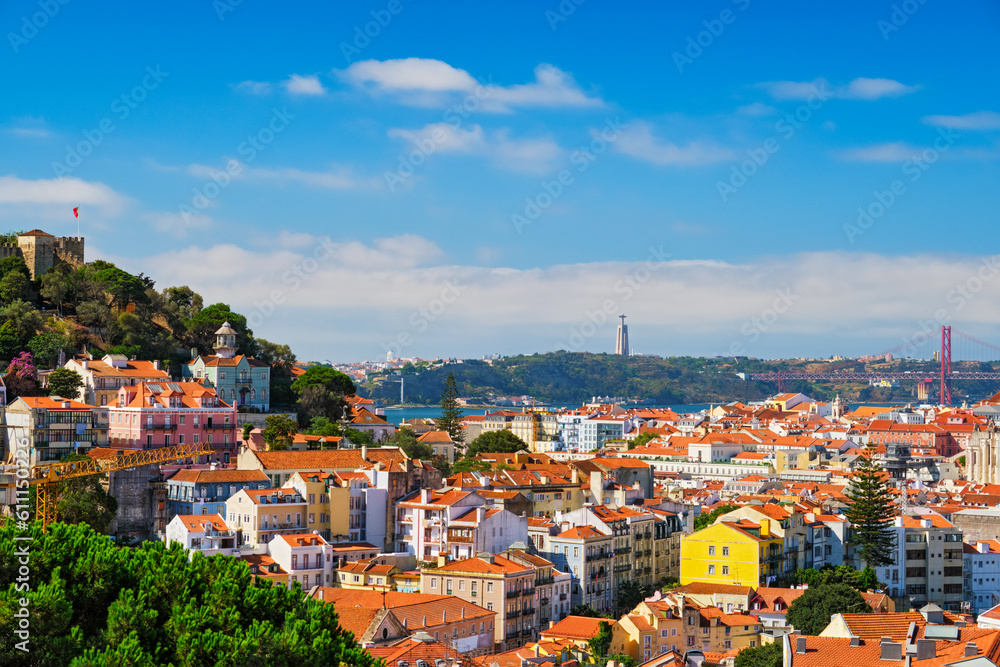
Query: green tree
x=202, y=326
x=642, y=440
x=323, y=376
x=474, y=465
x=765, y=655
x=871, y=511
x=14, y=263
x=601, y=642
x=14, y=286
x=584, y=610
x=630, y=594
x=279, y=431
x=65, y=382
x=247, y=430
x=123, y=287
x=324, y=427
x=84, y=500
x=706, y=520
x=451, y=413
x=46, y=346
x=25, y=319
x=358, y=437
x=58, y=285
x=94, y=603
x=10, y=341
x=810, y=613
x=496, y=442
x=318, y=401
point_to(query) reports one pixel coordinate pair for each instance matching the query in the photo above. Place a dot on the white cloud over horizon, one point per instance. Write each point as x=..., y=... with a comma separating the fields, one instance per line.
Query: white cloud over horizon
x=639, y=141
x=525, y=155
x=979, y=120
x=304, y=85
x=374, y=292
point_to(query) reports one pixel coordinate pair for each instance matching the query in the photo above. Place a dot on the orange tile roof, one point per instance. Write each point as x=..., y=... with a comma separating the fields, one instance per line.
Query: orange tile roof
x=218, y=476
x=576, y=627
x=48, y=403
x=335, y=459
x=196, y=522
x=477, y=565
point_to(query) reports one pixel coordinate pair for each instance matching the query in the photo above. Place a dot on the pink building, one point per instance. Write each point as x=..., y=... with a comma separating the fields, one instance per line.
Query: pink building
x=161, y=414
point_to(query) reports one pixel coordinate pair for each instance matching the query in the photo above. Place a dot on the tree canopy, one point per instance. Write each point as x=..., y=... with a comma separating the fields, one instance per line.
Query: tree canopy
x=279, y=431
x=65, y=382
x=810, y=613
x=860, y=580
x=451, y=414
x=496, y=442
x=706, y=520
x=94, y=603
x=765, y=655
x=871, y=510
x=323, y=376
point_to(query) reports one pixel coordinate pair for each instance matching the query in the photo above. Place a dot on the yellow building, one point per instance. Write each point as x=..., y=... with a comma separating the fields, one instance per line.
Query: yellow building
x=652, y=628
x=741, y=553
x=327, y=509
x=368, y=574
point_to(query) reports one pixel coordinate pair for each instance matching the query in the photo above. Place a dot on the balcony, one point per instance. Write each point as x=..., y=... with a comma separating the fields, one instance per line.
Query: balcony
x=623, y=550
x=161, y=427
x=622, y=568
x=217, y=427
x=512, y=634
x=243, y=381
x=544, y=581
x=543, y=601
x=513, y=593
x=527, y=592
x=562, y=597
x=528, y=611
x=513, y=613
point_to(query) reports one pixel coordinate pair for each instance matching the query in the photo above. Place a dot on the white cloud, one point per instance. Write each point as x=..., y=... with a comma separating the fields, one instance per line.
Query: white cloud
x=255, y=87
x=892, y=152
x=176, y=224
x=338, y=177
x=304, y=85
x=979, y=120
x=639, y=142
x=427, y=82
x=401, y=275
x=29, y=127
x=537, y=155
x=67, y=190
x=861, y=88
x=755, y=109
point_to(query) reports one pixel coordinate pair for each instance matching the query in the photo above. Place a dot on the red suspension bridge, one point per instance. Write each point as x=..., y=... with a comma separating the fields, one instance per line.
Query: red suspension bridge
x=976, y=348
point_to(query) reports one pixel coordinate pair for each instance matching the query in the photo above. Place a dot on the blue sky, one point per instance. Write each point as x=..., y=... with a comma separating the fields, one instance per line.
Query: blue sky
x=712, y=157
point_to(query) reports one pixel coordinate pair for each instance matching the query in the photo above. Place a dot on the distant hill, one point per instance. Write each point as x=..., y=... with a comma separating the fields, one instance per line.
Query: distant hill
x=574, y=377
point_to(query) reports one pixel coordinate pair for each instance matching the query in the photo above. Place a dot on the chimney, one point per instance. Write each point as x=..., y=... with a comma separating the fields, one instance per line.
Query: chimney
x=364, y=452
x=158, y=365
x=480, y=514
x=65, y=404
x=86, y=364
x=442, y=561
x=898, y=521
x=765, y=528
x=925, y=523
x=444, y=615
x=425, y=495
x=463, y=612
x=891, y=650
x=574, y=476
x=926, y=649
x=855, y=640
x=983, y=547
x=597, y=487
x=800, y=644
x=971, y=649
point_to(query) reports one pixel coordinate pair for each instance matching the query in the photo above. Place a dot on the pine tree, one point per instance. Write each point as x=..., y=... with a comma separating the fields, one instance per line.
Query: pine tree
x=451, y=413
x=871, y=511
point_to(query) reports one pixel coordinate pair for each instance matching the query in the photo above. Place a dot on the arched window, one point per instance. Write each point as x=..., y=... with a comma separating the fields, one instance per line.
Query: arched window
x=263, y=394
x=253, y=394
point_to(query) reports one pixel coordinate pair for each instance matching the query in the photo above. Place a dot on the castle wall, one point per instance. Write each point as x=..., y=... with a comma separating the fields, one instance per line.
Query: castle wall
x=41, y=253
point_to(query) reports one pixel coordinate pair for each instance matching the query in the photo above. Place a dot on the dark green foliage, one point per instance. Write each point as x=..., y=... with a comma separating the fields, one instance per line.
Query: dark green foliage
x=14, y=264
x=45, y=347
x=496, y=442
x=630, y=593
x=451, y=413
x=83, y=500
x=358, y=437
x=601, y=642
x=95, y=604
x=766, y=655
x=811, y=612
x=863, y=580
x=13, y=286
x=623, y=660
x=10, y=341
x=318, y=401
x=705, y=520
x=247, y=430
x=323, y=376
x=584, y=610
x=65, y=382
x=279, y=431
x=202, y=327
x=323, y=426
x=123, y=287
x=871, y=511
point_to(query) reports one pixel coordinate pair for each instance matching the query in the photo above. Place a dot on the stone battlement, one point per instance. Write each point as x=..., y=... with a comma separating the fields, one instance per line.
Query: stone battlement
x=42, y=251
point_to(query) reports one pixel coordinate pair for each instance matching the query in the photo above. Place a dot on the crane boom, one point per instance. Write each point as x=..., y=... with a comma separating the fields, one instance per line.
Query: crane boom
x=46, y=478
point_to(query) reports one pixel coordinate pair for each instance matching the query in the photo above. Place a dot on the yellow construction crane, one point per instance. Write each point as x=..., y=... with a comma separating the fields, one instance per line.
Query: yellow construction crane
x=46, y=478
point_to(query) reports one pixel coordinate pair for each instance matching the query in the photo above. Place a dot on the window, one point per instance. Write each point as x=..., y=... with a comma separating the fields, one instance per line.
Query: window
x=711, y=551
x=725, y=551
x=725, y=569
x=711, y=569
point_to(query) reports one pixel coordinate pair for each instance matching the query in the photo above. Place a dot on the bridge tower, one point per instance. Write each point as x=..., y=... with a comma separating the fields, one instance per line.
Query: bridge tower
x=945, y=365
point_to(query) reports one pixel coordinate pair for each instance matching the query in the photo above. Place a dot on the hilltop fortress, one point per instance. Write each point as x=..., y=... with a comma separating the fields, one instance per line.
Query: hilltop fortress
x=41, y=251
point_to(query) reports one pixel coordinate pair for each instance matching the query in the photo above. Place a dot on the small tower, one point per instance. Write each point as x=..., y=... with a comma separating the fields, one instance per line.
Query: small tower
x=839, y=408
x=621, y=341
x=225, y=341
